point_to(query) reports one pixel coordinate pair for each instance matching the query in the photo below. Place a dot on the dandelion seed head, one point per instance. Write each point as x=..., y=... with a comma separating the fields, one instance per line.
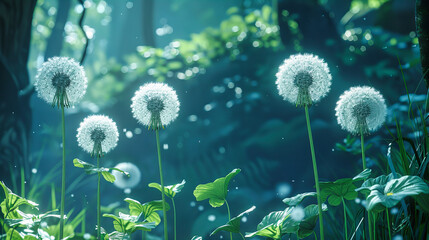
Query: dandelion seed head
x=303, y=79
x=155, y=105
x=97, y=134
x=61, y=80
x=361, y=110
x=122, y=180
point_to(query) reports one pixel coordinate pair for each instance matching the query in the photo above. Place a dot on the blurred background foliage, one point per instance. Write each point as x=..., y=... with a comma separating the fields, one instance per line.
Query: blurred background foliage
x=221, y=57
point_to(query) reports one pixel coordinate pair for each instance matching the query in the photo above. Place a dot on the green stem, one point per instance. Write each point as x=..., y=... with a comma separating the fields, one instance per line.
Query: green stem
x=388, y=223
x=229, y=216
x=373, y=225
x=162, y=185
x=174, y=217
x=369, y=226
x=345, y=219
x=143, y=235
x=316, y=176
x=242, y=236
x=63, y=175
x=23, y=182
x=98, y=199
x=363, y=150
x=315, y=236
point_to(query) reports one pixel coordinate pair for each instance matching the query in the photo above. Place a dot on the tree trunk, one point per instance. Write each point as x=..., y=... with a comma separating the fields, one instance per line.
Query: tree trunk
x=15, y=113
x=55, y=41
x=422, y=25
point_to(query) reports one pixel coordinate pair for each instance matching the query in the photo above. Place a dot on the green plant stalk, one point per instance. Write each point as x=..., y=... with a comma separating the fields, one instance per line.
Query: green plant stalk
x=316, y=175
x=229, y=216
x=362, y=144
x=174, y=217
x=242, y=236
x=345, y=219
x=162, y=185
x=98, y=199
x=363, y=150
x=388, y=223
x=63, y=174
x=22, y=182
x=83, y=223
x=143, y=235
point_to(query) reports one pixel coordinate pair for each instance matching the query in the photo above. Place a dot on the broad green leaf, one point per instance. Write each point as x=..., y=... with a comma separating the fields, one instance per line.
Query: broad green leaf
x=380, y=180
x=307, y=225
x=30, y=237
x=297, y=199
x=128, y=224
x=169, y=191
x=233, y=225
x=13, y=234
x=91, y=169
x=148, y=210
x=341, y=188
x=391, y=193
x=215, y=191
x=271, y=225
x=11, y=203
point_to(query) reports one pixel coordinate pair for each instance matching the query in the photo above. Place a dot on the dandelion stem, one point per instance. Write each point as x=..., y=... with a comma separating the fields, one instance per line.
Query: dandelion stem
x=388, y=223
x=98, y=199
x=23, y=181
x=345, y=219
x=174, y=217
x=316, y=176
x=363, y=150
x=229, y=216
x=63, y=175
x=162, y=185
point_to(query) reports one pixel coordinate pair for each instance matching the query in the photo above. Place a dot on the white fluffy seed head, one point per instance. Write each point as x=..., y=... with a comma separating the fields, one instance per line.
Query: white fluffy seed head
x=61, y=71
x=155, y=105
x=361, y=103
x=123, y=181
x=303, y=79
x=97, y=128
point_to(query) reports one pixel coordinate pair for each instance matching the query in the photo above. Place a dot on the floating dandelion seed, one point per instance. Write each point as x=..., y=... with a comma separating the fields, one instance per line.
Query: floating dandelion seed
x=155, y=105
x=124, y=182
x=361, y=110
x=61, y=81
x=303, y=79
x=97, y=134
x=298, y=214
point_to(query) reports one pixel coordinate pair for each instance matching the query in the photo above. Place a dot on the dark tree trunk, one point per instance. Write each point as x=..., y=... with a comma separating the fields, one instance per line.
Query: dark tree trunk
x=422, y=25
x=148, y=29
x=55, y=41
x=15, y=113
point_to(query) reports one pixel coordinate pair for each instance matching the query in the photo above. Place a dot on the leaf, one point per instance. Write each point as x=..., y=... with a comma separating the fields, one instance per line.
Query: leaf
x=307, y=225
x=11, y=203
x=363, y=175
x=341, y=188
x=297, y=199
x=233, y=225
x=390, y=194
x=215, y=191
x=271, y=225
x=423, y=201
x=148, y=210
x=91, y=169
x=169, y=191
x=13, y=234
x=380, y=180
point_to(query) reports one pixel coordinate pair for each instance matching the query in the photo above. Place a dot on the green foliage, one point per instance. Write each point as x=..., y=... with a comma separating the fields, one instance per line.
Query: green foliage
x=148, y=210
x=308, y=223
x=297, y=199
x=169, y=191
x=271, y=225
x=351, y=145
x=341, y=188
x=91, y=169
x=128, y=224
x=11, y=203
x=233, y=225
x=386, y=192
x=215, y=191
